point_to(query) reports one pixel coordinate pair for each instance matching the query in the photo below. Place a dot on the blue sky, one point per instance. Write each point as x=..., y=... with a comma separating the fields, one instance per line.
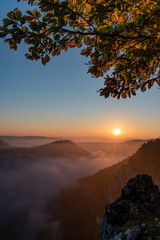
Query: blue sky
x=60, y=99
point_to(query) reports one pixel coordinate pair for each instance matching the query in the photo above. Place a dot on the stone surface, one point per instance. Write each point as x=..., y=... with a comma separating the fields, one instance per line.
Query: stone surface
x=136, y=214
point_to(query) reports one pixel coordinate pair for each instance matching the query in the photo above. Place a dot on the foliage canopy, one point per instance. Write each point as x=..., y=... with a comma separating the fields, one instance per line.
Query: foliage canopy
x=118, y=35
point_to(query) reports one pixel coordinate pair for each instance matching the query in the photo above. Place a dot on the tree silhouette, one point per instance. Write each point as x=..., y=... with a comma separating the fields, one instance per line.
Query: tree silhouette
x=118, y=35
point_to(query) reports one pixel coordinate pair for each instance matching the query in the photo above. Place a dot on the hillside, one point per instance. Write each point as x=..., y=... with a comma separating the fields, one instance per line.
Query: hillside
x=30, y=178
x=27, y=141
x=113, y=151
x=4, y=145
x=57, y=149
x=80, y=208
x=119, y=148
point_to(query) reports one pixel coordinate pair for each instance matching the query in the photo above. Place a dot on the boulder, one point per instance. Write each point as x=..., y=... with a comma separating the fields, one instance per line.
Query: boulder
x=136, y=214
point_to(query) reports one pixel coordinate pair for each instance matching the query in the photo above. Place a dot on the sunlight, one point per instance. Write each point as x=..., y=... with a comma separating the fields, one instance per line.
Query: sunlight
x=116, y=131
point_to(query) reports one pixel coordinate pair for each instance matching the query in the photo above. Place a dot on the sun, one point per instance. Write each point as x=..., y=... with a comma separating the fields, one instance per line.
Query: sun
x=116, y=131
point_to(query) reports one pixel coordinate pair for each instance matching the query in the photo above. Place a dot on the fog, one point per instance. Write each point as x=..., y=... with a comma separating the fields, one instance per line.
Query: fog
x=27, y=188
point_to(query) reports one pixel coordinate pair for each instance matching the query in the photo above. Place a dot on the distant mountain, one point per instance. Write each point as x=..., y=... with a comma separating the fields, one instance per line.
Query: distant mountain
x=4, y=145
x=104, y=146
x=62, y=148
x=26, y=137
x=80, y=208
x=30, y=178
x=57, y=149
x=27, y=141
x=115, y=150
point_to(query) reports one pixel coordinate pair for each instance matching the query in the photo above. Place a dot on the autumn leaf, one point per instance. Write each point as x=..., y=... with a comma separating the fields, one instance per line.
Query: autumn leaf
x=124, y=94
x=120, y=39
x=45, y=59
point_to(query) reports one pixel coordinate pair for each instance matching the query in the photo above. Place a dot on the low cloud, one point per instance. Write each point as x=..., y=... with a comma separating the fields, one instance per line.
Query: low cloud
x=27, y=188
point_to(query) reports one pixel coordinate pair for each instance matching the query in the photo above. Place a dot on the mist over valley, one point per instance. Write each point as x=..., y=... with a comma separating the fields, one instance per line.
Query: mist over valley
x=32, y=178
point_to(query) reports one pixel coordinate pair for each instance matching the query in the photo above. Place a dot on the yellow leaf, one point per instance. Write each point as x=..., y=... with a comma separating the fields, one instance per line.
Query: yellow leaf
x=84, y=22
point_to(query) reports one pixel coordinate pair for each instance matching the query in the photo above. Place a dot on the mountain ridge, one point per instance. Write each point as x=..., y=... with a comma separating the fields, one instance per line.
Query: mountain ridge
x=89, y=195
x=57, y=149
x=4, y=145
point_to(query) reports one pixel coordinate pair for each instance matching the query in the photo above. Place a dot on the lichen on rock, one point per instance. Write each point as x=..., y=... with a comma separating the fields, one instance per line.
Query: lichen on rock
x=136, y=214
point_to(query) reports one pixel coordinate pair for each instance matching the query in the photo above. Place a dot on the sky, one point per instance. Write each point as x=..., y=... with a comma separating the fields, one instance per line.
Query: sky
x=61, y=99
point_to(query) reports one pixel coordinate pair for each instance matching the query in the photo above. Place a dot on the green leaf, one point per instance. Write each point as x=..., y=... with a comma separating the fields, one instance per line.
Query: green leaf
x=86, y=40
x=29, y=13
x=122, y=37
x=57, y=37
x=3, y=34
x=18, y=15
x=7, y=22
x=11, y=15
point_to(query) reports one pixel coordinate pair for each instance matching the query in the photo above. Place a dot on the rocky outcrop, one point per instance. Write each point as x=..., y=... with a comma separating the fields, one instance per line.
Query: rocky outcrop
x=136, y=214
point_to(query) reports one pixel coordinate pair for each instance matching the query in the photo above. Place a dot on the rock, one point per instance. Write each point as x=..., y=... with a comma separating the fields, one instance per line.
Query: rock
x=142, y=190
x=136, y=214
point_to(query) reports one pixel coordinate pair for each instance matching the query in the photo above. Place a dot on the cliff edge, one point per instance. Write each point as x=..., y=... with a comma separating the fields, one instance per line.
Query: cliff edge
x=136, y=214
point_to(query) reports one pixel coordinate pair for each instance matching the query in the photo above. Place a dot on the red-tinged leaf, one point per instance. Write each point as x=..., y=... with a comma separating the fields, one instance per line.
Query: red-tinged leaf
x=149, y=85
x=27, y=55
x=15, y=10
x=133, y=92
x=106, y=83
x=124, y=94
x=118, y=96
x=158, y=82
x=33, y=20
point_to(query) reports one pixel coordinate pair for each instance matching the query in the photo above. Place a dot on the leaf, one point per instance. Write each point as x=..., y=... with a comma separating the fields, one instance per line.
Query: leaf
x=136, y=86
x=143, y=88
x=36, y=13
x=118, y=36
x=86, y=40
x=29, y=13
x=133, y=92
x=18, y=15
x=11, y=15
x=15, y=10
x=158, y=82
x=124, y=94
x=57, y=37
x=27, y=55
x=45, y=59
x=84, y=22
x=7, y=22
x=3, y=34
x=25, y=29
x=13, y=44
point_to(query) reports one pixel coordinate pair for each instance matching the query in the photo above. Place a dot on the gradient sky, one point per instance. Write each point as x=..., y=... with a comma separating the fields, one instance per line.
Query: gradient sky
x=60, y=99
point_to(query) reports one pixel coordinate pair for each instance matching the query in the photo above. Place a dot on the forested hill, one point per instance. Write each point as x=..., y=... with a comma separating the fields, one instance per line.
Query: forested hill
x=80, y=208
x=57, y=149
x=4, y=145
